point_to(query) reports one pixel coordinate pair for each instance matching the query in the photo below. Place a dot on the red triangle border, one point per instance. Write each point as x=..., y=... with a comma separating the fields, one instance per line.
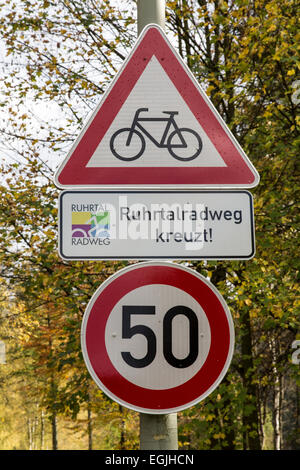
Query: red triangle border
x=238, y=173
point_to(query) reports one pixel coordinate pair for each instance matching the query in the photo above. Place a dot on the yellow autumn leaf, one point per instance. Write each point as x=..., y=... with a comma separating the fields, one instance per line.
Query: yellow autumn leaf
x=219, y=435
x=210, y=417
x=210, y=89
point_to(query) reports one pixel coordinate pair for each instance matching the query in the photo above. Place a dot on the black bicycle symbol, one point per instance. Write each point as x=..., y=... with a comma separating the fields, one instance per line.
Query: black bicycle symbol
x=129, y=144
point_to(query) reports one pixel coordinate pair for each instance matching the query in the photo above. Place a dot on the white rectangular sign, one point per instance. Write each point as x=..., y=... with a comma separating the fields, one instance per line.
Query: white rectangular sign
x=156, y=224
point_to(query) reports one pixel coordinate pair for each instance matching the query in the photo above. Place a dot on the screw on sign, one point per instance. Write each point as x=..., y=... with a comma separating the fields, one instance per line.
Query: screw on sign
x=157, y=337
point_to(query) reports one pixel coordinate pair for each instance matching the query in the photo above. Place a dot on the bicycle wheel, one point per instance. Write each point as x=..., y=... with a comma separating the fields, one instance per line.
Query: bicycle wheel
x=188, y=150
x=122, y=150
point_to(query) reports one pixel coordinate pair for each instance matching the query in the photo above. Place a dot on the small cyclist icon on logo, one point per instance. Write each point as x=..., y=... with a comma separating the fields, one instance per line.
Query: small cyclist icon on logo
x=129, y=143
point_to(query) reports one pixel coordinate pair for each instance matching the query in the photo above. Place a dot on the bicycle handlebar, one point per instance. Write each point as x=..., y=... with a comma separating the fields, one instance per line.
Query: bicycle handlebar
x=140, y=110
x=137, y=113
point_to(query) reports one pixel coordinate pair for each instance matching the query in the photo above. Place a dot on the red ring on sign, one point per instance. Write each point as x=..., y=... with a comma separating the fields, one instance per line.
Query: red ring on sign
x=133, y=394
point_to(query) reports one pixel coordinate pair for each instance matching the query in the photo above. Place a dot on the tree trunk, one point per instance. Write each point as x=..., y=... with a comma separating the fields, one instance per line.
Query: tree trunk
x=277, y=400
x=277, y=396
x=90, y=427
x=250, y=409
x=122, y=435
x=54, y=431
x=42, y=434
x=29, y=433
x=219, y=275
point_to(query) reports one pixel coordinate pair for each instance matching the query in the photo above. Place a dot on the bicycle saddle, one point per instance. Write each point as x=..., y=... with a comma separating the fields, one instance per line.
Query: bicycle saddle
x=171, y=112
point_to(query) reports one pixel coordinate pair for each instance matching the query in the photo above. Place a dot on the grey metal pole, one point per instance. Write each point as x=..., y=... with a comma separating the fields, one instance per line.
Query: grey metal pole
x=150, y=11
x=157, y=432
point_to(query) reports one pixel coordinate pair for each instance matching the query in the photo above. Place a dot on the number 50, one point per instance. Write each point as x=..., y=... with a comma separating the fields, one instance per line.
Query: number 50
x=129, y=331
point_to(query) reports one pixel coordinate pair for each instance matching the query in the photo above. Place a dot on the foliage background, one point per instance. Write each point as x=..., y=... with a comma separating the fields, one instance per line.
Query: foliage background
x=57, y=59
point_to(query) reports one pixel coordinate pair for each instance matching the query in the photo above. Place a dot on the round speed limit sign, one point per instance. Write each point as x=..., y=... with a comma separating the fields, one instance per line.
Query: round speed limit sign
x=157, y=337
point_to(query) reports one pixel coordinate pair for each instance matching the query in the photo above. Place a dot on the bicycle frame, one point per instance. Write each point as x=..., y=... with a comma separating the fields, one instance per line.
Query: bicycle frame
x=162, y=143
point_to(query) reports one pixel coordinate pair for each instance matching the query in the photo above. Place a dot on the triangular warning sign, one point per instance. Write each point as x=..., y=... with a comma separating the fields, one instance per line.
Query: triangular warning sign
x=155, y=127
